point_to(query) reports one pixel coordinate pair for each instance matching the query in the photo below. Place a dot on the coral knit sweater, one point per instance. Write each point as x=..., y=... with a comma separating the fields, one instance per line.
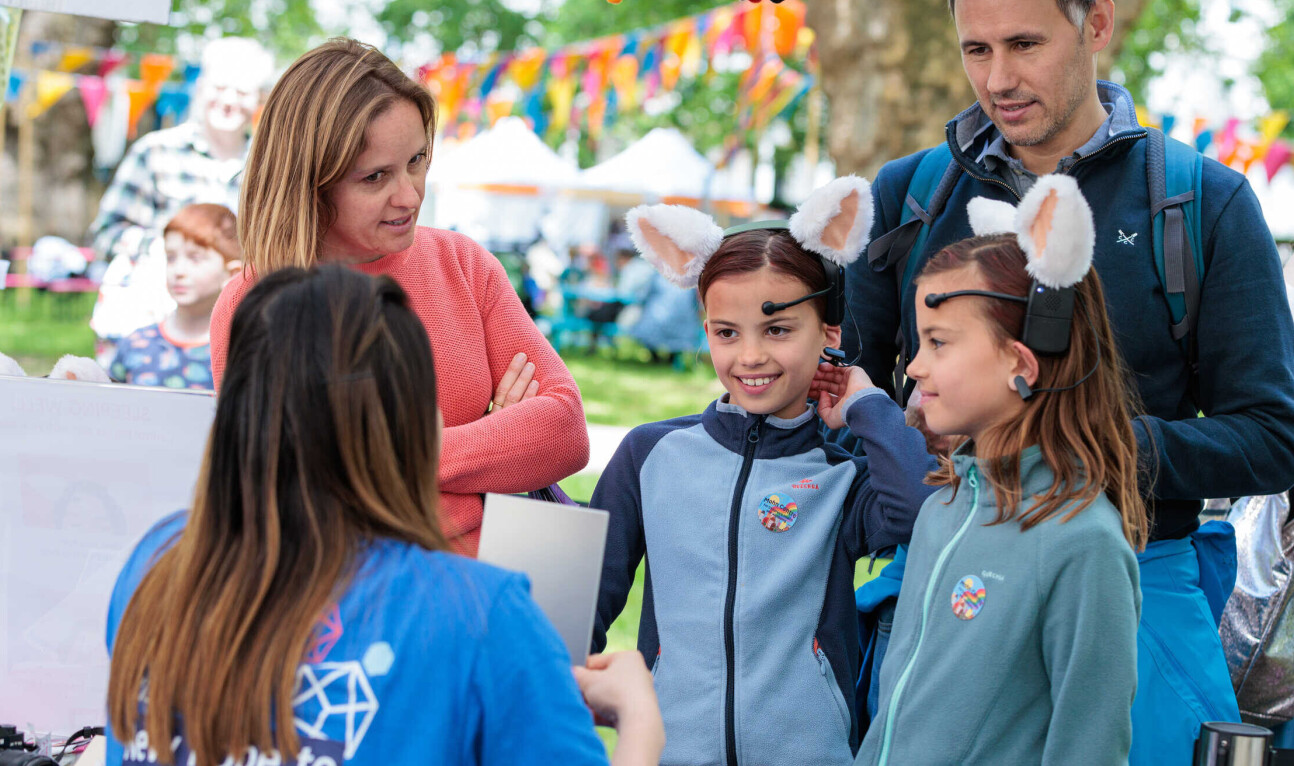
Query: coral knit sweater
x=476, y=325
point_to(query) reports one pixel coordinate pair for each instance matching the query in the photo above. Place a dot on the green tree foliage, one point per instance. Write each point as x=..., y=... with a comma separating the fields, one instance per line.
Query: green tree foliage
x=1275, y=66
x=287, y=27
x=456, y=25
x=1165, y=26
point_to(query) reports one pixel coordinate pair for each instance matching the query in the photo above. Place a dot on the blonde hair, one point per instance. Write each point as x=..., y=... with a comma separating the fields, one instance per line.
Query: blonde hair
x=308, y=137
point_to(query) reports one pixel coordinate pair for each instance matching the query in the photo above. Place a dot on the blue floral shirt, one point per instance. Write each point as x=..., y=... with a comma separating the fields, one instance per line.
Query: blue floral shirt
x=147, y=357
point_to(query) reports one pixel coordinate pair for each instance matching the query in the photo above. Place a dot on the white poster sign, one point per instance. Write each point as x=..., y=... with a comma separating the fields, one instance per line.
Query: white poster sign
x=153, y=11
x=85, y=470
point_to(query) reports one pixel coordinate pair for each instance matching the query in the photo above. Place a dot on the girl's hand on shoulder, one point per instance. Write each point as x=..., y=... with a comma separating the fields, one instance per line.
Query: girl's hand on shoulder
x=517, y=384
x=833, y=385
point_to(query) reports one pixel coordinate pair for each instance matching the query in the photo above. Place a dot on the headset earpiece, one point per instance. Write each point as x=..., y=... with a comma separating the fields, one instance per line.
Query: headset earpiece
x=1022, y=387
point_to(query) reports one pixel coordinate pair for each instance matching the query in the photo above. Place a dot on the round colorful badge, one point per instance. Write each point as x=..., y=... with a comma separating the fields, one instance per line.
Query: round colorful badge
x=968, y=597
x=778, y=513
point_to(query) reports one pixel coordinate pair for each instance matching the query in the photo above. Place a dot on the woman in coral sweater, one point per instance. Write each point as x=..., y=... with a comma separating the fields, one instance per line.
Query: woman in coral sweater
x=336, y=174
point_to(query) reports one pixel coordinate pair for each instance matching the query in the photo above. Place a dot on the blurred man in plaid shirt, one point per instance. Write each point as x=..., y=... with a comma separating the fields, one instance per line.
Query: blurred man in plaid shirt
x=198, y=161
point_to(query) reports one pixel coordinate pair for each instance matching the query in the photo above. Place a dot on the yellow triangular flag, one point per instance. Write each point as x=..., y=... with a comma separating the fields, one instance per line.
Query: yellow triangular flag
x=75, y=58
x=50, y=87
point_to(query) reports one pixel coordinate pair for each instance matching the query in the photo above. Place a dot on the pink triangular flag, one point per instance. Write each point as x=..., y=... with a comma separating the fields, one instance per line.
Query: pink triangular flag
x=110, y=61
x=1277, y=155
x=93, y=92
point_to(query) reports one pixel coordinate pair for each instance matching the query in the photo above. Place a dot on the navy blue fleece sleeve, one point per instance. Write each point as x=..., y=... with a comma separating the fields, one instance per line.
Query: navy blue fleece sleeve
x=619, y=493
x=1245, y=444
x=891, y=488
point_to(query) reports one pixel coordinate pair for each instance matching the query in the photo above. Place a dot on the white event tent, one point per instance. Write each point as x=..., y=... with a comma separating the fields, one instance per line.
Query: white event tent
x=496, y=186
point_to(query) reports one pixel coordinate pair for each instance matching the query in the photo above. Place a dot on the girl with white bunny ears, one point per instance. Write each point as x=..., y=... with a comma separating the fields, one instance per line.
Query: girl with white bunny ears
x=1020, y=598
x=752, y=522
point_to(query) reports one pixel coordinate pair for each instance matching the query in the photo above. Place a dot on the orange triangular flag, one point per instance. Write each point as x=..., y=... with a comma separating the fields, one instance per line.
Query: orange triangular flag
x=141, y=97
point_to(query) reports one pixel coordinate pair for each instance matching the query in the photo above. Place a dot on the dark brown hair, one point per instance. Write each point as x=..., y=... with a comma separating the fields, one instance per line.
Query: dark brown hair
x=1075, y=10
x=1085, y=433
x=326, y=436
x=751, y=251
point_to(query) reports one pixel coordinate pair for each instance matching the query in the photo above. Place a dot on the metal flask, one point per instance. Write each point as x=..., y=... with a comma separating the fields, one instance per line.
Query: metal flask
x=1232, y=744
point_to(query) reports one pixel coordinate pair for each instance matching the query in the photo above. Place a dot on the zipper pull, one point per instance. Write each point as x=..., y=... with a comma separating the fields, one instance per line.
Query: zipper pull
x=821, y=656
x=752, y=435
x=972, y=477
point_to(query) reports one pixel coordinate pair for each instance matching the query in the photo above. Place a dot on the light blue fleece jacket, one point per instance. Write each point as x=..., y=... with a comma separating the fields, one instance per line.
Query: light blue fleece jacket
x=1010, y=647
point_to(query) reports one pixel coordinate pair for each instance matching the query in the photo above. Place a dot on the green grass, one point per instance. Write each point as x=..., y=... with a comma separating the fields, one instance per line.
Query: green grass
x=36, y=328
x=625, y=389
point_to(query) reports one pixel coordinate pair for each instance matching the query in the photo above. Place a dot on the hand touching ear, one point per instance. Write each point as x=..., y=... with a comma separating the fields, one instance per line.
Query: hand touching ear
x=832, y=386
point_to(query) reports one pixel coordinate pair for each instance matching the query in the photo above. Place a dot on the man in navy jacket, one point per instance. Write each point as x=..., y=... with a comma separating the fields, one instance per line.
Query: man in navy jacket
x=1040, y=109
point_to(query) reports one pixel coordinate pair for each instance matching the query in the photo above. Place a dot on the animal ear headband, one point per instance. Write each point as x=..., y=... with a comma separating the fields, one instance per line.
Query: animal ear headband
x=833, y=223
x=1054, y=227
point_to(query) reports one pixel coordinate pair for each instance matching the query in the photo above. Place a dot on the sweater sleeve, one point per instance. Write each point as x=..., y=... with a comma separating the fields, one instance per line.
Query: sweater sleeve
x=1245, y=443
x=1089, y=644
x=882, y=507
x=531, y=707
x=221, y=318
x=528, y=445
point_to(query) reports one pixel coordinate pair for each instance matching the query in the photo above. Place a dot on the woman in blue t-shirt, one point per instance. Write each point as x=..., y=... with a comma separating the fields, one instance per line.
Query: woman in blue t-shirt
x=304, y=611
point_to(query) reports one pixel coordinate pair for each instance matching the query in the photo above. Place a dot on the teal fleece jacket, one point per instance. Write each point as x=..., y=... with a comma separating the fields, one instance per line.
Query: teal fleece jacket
x=1009, y=646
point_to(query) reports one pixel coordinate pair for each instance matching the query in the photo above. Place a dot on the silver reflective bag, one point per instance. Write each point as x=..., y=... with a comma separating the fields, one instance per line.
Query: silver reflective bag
x=1258, y=623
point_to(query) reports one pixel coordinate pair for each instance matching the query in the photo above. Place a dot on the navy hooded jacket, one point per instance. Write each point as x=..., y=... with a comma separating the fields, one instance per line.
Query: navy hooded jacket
x=1245, y=444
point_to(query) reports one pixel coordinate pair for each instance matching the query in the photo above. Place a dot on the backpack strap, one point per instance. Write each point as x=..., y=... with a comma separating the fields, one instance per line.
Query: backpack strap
x=928, y=192
x=1173, y=174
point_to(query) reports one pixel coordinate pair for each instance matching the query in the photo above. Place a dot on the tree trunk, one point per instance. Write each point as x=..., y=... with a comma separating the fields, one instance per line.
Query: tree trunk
x=892, y=75
x=891, y=71
x=65, y=190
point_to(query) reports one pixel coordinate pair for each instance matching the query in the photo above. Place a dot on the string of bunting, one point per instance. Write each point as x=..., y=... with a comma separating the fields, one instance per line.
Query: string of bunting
x=151, y=90
x=588, y=83
x=1236, y=143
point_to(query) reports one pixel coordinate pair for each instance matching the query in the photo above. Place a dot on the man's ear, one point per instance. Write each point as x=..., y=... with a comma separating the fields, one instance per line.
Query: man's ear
x=1098, y=27
x=1025, y=365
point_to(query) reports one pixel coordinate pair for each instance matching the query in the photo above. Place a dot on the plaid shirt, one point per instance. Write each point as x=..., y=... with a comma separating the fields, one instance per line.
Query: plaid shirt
x=163, y=171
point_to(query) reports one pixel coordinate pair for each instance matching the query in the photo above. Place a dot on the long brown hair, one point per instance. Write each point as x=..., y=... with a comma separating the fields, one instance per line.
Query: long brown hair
x=1085, y=433
x=326, y=436
x=307, y=138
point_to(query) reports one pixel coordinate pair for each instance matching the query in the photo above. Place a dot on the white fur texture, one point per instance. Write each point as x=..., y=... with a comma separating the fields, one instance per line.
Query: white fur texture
x=79, y=368
x=9, y=367
x=822, y=207
x=1072, y=236
x=990, y=216
x=695, y=235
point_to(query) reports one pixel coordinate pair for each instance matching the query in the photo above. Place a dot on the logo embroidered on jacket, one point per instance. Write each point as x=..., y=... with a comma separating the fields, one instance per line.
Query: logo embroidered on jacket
x=968, y=597
x=778, y=512
x=1128, y=239
x=804, y=484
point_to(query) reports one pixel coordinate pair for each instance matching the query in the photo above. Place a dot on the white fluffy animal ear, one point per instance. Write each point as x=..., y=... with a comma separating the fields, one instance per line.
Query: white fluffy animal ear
x=834, y=221
x=677, y=240
x=990, y=216
x=1055, y=229
x=79, y=368
x=9, y=367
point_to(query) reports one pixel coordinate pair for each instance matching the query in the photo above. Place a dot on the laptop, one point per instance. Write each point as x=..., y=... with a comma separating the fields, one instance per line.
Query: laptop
x=559, y=547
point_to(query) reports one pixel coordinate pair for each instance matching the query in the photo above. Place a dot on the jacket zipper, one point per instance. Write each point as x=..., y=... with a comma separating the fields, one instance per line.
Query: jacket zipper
x=972, y=477
x=729, y=637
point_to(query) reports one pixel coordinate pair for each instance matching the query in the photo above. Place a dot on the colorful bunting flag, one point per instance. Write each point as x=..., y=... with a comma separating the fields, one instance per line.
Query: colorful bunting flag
x=154, y=68
x=75, y=58
x=50, y=87
x=93, y=93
